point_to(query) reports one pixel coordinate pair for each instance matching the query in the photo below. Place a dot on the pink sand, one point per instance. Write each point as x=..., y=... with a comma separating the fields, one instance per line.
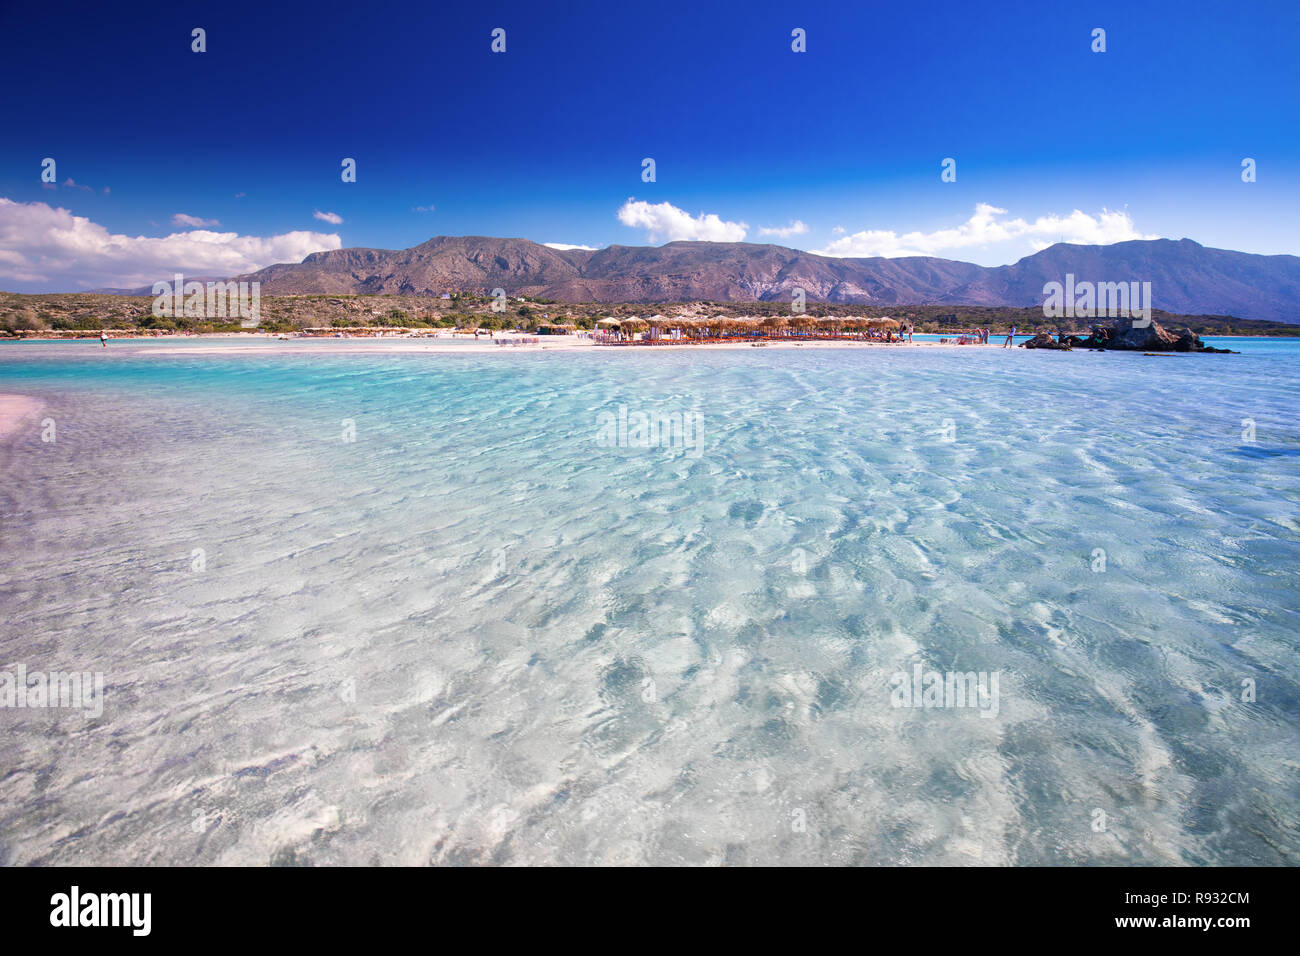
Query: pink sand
x=14, y=410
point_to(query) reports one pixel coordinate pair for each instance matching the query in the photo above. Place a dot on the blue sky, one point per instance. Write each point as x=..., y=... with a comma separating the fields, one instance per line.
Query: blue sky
x=220, y=161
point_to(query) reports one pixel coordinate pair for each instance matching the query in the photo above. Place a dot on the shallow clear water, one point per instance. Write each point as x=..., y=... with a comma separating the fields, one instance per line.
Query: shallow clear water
x=480, y=632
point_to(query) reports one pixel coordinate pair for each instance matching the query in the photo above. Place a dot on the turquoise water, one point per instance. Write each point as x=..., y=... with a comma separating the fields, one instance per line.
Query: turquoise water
x=470, y=628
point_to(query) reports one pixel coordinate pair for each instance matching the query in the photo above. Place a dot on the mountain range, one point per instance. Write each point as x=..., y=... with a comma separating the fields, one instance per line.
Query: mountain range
x=1185, y=276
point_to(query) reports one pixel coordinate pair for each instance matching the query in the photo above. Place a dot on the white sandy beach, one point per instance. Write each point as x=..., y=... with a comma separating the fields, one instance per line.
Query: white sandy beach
x=371, y=345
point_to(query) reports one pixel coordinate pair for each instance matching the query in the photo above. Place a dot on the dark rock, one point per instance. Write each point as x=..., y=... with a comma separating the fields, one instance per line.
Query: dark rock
x=1044, y=341
x=1122, y=334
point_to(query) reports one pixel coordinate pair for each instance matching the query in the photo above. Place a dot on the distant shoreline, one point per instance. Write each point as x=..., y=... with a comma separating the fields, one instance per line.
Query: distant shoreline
x=466, y=338
x=64, y=314
x=267, y=344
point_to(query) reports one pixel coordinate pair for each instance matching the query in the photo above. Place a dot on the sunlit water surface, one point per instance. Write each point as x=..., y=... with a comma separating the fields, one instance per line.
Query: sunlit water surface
x=478, y=634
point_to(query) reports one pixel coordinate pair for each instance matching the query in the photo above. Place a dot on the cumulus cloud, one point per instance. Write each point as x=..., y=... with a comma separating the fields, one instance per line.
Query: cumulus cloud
x=796, y=228
x=40, y=244
x=665, y=222
x=986, y=228
x=333, y=218
x=180, y=219
x=566, y=245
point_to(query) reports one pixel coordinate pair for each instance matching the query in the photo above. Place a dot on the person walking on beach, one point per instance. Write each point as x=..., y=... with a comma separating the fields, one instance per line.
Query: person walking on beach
x=103, y=338
x=1010, y=338
x=910, y=330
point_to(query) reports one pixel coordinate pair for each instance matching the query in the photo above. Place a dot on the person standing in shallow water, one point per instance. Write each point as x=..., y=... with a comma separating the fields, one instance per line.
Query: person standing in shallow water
x=1010, y=338
x=103, y=339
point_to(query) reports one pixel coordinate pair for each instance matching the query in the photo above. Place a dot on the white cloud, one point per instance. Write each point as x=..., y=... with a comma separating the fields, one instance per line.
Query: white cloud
x=52, y=247
x=664, y=221
x=180, y=219
x=985, y=228
x=333, y=218
x=428, y=208
x=796, y=228
x=565, y=245
x=839, y=230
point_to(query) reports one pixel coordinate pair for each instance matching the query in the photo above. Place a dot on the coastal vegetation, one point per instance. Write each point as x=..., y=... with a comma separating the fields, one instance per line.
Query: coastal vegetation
x=84, y=313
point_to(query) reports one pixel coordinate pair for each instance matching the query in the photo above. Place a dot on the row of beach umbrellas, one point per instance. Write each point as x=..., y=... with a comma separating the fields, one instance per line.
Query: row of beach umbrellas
x=768, y=326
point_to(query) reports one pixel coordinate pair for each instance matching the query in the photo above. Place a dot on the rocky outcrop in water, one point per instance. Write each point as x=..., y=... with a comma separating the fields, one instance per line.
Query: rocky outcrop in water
x=1044, y=341
x=1122, y=335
